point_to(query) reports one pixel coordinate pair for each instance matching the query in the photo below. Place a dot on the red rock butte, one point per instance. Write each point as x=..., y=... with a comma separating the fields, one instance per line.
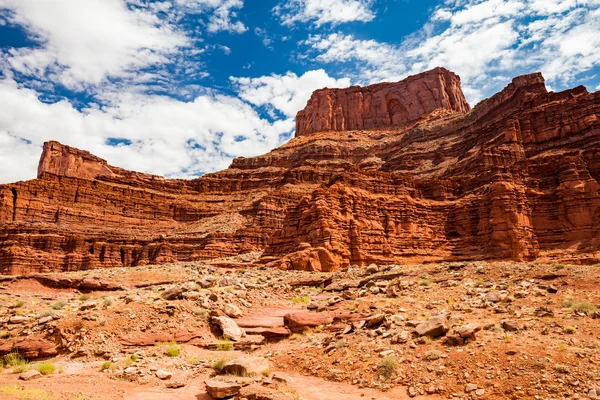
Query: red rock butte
x=390, y=173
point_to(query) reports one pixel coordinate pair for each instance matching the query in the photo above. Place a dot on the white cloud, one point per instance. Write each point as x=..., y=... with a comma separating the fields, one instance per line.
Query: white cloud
x=85, y=41
x=484, y=39
x=168, y=137
x=321, y=12
x=286, y=93
x=223, y=12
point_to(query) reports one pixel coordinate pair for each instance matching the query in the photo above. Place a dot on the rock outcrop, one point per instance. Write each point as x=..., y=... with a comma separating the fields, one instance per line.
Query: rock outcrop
x=514, y=178
x=382, y=105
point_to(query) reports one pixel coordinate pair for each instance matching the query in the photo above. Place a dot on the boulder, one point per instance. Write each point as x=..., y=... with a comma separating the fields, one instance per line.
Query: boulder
x=247, y=366
x=230, y=329
x=300, y=321
x=220, y=389
x=29, y=375
x=173, y=293
x=433, y=327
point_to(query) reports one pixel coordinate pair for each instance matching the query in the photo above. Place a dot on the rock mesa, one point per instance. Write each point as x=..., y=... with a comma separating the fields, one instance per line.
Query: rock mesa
x=390, y=173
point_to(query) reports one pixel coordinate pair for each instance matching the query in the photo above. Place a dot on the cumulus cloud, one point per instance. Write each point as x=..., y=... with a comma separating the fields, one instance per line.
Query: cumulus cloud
x=164, y=136
x=287, y=93
x=85, y=41
x=321, y=12
x=156, y=134
x=481, y=40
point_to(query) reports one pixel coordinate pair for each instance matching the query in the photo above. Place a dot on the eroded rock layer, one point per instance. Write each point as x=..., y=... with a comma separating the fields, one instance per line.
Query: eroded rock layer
x=514, y=178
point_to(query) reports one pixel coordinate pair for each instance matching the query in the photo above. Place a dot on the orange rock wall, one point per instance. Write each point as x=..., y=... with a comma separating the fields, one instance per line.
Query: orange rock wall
x=514, y=178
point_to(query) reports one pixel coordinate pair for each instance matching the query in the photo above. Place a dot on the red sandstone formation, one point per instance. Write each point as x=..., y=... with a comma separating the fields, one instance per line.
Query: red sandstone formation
x=514, y=178
x=382, y=105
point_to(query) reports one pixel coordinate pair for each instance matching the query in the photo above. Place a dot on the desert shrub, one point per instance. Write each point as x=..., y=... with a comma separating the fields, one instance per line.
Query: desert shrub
x=173, y=350
x=218, y=365
x=433, y=355
x=387, y=366
x=84, y=297
x=579, y=305
x=59, y=304
x=569, y=330
x=46, y=368
x=105, y=365
x=303, y=299
x=225, y=345
x=47, y=313
x=563, y=369
x=19, y=303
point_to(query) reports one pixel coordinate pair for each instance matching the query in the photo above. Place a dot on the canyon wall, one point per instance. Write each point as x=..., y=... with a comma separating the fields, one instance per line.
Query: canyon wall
x=514, y=178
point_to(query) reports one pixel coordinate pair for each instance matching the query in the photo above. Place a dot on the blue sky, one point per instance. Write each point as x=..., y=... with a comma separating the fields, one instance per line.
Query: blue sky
x=181, y=87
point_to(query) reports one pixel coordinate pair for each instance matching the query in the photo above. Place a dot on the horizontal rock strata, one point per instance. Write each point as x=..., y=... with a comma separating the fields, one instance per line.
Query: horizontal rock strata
x=515, y=178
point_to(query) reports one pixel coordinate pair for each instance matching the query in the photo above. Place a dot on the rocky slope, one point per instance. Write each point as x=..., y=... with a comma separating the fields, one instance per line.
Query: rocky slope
x=392, y=173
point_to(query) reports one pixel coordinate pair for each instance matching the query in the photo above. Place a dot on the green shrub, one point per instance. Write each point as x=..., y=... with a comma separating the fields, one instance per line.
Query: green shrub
x=19, y=303
x=105, y=365
x=108, y=302
x=47, y=313
x=563, y=369
x=59, y=304
x=16, y=361
x=218, y=365
x=84, y=297
x=46, y=368
x=577, y=305
x=225, y=345
x=387, y=366
x=433, y=355
x=173, y=350
x=303, y=299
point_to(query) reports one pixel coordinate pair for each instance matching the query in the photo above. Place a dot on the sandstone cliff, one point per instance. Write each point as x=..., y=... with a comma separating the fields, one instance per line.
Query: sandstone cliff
x=514, y=178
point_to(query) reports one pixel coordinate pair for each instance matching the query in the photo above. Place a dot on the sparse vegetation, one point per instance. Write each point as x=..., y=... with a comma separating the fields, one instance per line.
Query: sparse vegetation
x=563, y=369
x=559, y=266
x=569, y=330
x=218, y=365
x=19, y=303
x=173, y=350
x=433, y=355
x=579, y=305
x=105, y=365
x=59, y=304
x=303, y=299
x=387, y=366
x=21, y=392
x=84, y=297
x=201, y=313
x=47, y=313
x=225, y=345
x=46, y=368
x=16, y=361
x=108, y=302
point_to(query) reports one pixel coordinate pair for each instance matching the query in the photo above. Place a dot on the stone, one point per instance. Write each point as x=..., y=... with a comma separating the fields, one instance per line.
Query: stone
x=471, y=387
x=31, y=347
x=18, y=319
x=173, y=293
x=413, y=391
x=469, y=330
x=232, y=311
x=220, y=389
x=29, y=375
x=162, y=374
x=434, y=327
x=88, y=305
x=247, y=366
x=510, y=325
x=175, y=384
x=300, y=321
x=229, y=327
